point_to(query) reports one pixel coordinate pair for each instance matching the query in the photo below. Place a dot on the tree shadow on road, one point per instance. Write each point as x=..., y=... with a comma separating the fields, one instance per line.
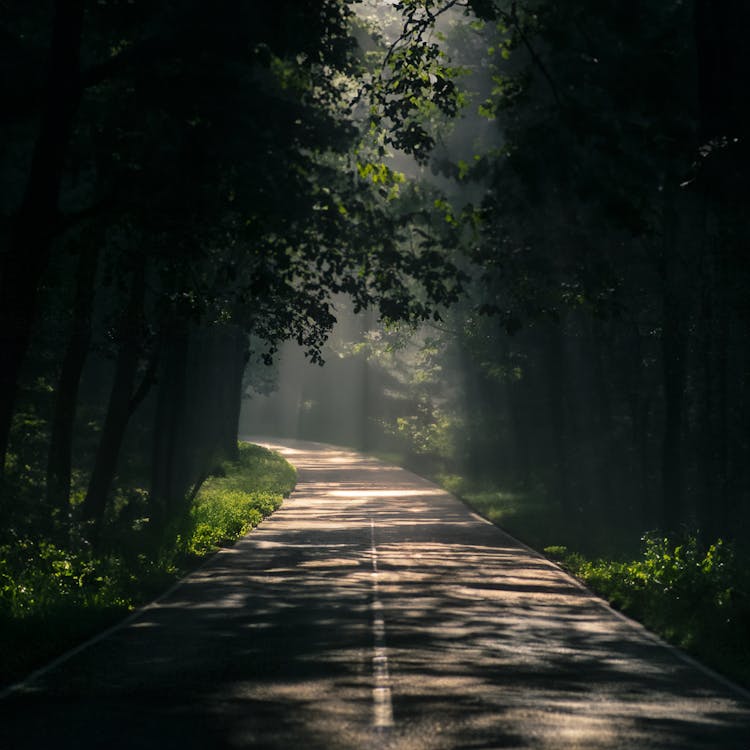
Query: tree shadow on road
x=270, y=645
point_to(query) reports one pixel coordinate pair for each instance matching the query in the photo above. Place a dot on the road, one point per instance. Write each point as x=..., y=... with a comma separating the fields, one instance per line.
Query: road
x=374, y=610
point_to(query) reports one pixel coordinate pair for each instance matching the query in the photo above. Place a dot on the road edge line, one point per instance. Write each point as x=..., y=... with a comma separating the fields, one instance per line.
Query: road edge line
x=677, y=652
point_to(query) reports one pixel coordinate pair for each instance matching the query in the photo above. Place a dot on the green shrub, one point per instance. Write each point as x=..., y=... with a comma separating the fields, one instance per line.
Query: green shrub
x=37, y=576
x=222, y=515
x=236, y=498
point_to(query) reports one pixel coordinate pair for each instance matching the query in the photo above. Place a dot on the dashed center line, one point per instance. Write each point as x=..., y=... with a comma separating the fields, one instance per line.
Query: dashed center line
x=382, y=714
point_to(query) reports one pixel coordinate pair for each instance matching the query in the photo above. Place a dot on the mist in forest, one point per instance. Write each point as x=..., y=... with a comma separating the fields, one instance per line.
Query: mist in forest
x=331, y=402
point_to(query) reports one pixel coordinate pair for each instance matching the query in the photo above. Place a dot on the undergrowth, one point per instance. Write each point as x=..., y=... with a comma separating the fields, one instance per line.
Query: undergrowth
x=54, y=591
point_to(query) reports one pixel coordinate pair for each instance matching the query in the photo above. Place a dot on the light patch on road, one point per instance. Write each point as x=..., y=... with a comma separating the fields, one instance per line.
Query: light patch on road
x=336, y=562
x=382, y=705
x=387, y=493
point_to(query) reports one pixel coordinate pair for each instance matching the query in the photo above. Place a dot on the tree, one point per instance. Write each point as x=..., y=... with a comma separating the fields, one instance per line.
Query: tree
x=230, y=235
x=37, y=217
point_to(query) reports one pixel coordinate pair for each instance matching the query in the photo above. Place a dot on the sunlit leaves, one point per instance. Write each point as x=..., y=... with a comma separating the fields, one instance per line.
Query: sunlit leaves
x=415, y=82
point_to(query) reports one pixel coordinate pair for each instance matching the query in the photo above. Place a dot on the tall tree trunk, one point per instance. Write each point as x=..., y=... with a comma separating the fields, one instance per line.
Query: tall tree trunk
x=723, y=59
x=604, y=450
x=167, y=464
x=557, y=376
x=35, y=224
x=60, y=449
x=674, y=353
x=644, y=453
x=214, y=384
x=517, y=399
x=639, y=405
x=519, y=392
x=707, y=447
x=364, y=404
x=725, y=510
x=230, y=427
x=119, y=408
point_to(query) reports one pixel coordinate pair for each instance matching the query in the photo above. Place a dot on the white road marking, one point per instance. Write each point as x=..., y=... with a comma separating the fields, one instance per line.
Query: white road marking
x=382, y=705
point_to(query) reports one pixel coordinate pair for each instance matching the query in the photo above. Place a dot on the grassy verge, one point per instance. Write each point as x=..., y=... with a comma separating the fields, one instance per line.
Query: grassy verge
x=237, y=499
x=54, y=595
x=527, y=514
x=521, y=512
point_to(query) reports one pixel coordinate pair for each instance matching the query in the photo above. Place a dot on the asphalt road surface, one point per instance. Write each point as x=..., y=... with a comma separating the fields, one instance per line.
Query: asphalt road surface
x=375, y=611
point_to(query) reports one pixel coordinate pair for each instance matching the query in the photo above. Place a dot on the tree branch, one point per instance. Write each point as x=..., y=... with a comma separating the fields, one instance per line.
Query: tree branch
x=512, y=19
x=420, y=26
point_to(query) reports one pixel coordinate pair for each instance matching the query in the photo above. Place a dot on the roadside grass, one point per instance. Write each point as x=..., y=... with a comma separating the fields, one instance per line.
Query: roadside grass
x=523, y=513
x=236, y=499
x=54, y=594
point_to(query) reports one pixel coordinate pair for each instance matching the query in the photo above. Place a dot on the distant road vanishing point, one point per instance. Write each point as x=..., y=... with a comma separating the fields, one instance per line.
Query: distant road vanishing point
x=374, y=610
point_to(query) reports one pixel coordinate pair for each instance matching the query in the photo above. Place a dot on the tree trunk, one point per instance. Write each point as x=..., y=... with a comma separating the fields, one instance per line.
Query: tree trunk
x=35, y=224
x=60, y=449
x=556, y=373
x=119, y=406
x=725, y=526
x=674, y=352
x=230, y=427
x=518, y=409
x=640, y=408
x=707, y=418
x=604, y=450
x=169, y=426
x=723, y=60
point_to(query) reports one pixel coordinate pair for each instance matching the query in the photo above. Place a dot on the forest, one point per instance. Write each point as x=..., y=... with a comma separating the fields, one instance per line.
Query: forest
x=515, y=232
